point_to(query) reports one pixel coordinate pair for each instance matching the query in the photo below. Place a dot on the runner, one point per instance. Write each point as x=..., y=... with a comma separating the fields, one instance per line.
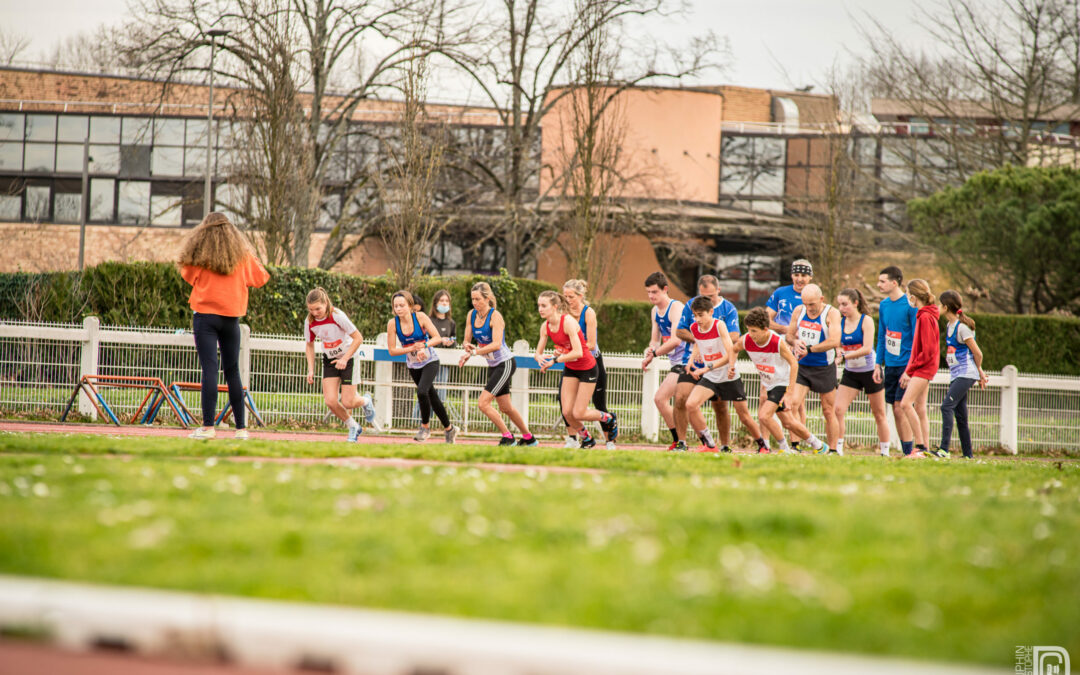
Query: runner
x=781, y=304
x=580, y=372
x=923, y=364
x=340, y=340
x=896, y=327
x=664, y=341
x=487, y=327
x=778, y=369
x=815, y=334
x=709, y=287
x=965, y=370
x=717, y=377
x=574, y=291
x=411, y=333
x=857, y=352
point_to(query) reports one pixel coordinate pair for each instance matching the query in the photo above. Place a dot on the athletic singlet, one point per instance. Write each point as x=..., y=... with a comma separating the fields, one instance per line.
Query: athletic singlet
x=853, y=342
x=813, y=332
x=414, y=359
x=585, y=330
x=711, y=347
x=961, y=362
x=681, y=354
x=334, y=331
x=562, y=345
x=483, y=337
x=773, y=369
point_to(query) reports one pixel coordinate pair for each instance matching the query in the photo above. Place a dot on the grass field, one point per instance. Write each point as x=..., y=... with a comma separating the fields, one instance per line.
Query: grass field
x=944, y=560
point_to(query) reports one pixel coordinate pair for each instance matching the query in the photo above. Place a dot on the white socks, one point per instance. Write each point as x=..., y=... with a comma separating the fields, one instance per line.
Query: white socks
x=884, y=448
x=815, y=442
x=351, y=423
x=840, y=446
x=784, y=445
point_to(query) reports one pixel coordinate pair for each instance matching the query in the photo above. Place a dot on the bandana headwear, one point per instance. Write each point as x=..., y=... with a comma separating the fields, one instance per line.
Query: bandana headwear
x=802, y=268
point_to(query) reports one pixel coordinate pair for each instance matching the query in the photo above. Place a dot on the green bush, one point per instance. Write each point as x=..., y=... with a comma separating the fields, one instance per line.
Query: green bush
x=153, y=294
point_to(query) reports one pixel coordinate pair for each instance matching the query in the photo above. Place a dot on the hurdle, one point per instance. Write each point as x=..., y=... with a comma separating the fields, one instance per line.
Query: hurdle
x=249, y=403
x=156, y=395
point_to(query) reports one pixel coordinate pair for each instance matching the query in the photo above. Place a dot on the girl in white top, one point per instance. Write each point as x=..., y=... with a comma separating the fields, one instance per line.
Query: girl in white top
x=857, y=351
x=340, y=339
x=965, y=371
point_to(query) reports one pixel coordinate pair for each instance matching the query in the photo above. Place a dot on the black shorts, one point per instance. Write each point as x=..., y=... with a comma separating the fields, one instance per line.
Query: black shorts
x=686, y=378
x=499, y=377
x=863, y=381
x=776, y=395
x=891, y=377
x=344, y=374
x=679, y=369
x=587, y=376
x=820, y=379
x=726, y=391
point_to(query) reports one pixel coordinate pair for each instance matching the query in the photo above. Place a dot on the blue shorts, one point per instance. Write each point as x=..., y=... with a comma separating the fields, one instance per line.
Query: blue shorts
x=893, y=391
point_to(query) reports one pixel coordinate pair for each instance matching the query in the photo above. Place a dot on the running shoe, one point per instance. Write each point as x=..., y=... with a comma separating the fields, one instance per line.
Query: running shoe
x=791, y=451
x=705, y=448
x=916, y=454
x=611, y=427
x=369, y=409
x=507, y=440
x=823, y=450
x=725, y=449
x=671, y=447
x=587, y=442
x=354, y=433
x=680, y=446
x=763, y=451
x=571, y=442
x=527, y=443
x=450, y=434
x=835, y=451
x=202, y=434
x=241, y=434
x=610, y=445
x=422, y=435
x=939, y=453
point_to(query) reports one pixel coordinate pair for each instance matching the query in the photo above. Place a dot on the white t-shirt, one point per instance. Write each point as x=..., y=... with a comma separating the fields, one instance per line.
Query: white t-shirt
x=334, y=332
x=710, y=345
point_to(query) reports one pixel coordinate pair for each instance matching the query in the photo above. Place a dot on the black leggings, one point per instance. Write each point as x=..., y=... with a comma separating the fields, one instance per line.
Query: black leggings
x=212, y=330
x=599, y=395
x=426, y=395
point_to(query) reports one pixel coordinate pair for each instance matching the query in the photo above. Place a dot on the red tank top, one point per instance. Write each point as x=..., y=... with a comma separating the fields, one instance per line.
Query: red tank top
x=562, y=345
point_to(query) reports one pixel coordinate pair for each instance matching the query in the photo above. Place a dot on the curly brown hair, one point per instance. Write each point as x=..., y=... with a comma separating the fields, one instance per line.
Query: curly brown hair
x=215, y=244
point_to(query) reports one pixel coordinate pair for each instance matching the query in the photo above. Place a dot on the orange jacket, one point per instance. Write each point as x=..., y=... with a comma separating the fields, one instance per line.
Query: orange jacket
x=223, y=294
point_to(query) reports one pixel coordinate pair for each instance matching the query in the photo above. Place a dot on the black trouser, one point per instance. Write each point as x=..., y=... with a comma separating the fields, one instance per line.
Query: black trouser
x=212, y=330
x=599, y=395
x=426, y=395
x=955, y=404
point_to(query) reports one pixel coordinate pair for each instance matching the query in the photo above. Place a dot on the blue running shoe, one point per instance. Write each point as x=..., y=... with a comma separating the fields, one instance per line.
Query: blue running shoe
x=354, y=433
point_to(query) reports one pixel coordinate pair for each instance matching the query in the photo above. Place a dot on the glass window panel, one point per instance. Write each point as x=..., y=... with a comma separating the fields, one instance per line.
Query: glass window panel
x=167, y=161
x=895, y=152
x=11, y=127
x=769, y=182
x=66, y=207
x=735, y=180
x=866, y=151
x=37, y=202
x=737, y=149
x=168, y=132
x=196, y=133
x=136, y=131
x=41, y=127
x=133, y=203
x=69, y=158
x=165, y=210
x=134, y=161
x=10, y=207
x=226, y=159
x=104, y=129
x=228, y=133
x=335, y=171
x=11, y=156
x=769, y=150
x=775, y=208
x=40, y=157
x=195, y=162
x=229, y=199
x=104, y=158
x=102, y=198
x=71, y=128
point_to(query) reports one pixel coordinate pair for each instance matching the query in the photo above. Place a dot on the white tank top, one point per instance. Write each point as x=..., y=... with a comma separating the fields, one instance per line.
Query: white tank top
x=773, y=369
x=711, y=347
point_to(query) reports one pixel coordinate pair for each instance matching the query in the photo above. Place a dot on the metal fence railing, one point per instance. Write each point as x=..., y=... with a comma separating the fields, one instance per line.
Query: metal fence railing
x=40, y=364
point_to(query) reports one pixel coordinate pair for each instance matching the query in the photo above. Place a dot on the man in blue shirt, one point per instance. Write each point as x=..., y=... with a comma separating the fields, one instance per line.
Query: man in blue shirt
x=781, y=305
x=895, y=332
x=724, y=310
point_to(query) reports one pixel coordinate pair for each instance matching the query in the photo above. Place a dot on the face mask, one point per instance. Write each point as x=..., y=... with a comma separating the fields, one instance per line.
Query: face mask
x=443, y=309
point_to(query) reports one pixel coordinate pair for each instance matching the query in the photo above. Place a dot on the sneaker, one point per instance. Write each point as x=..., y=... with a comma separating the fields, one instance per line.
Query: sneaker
x=939, y=453
x=679, y=446
x=532, y=442
x=671, y=447
x=571, y=442
x=202, y=434
x=450, y=434
x=884, y=453
x=916, y=454
x=369, y=409
x=764, y=451
x=587, y=442
x=823, y=450
x=611, y=427
x=725, y=449
x=506, y=440
x=834, y=451
x=241, y=434
x=610, y=445
x=791, y=451
x=705, y=448
x=422, y=434
x=354, y=433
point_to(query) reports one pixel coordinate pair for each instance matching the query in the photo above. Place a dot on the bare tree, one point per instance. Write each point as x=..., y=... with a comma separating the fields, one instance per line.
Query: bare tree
x=12, y=44
x=96, y=50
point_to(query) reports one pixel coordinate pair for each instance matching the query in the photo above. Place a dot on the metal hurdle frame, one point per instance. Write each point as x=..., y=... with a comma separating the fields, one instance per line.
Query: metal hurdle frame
x=156, y=395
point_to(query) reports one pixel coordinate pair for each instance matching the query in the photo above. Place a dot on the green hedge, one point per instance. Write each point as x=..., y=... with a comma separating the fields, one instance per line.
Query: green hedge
x=153, y=294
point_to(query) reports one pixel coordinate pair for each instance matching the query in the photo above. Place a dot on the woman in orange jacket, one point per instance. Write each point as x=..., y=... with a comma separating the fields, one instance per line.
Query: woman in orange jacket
x=220, y=266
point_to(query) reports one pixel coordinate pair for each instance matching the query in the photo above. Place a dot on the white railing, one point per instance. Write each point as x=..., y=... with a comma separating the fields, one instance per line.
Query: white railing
x=40, y=364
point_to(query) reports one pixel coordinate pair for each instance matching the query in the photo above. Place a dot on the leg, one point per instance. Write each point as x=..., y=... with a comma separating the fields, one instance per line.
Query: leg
x=948, y=409
x=698, y=396
x=962, y=425
x=599, y=396
x=723, y=421
x=922, y=431
x=663, y=399
x=426, y=384
x=742, y=409
x=582, y=412
x=828, y=409
x=568, y=390
x=844, y=396
x=486, y=399
x=877, y=406
x=916, y=389
x=682, y=393
x=349, y=398
x=507, y=408
x=205, y=329
x=330, y=387
x=767, y=419
x=422, y=399
x=229, y=338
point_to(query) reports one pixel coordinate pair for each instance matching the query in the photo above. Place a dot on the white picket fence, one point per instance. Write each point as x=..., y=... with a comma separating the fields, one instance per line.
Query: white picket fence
x=40, y=363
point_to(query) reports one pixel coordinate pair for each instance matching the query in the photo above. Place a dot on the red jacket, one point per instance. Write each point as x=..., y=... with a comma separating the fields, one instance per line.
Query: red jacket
x=926, y=346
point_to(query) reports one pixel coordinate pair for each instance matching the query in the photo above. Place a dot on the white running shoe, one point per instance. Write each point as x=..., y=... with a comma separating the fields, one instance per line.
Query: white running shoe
x=241, y=435
x=202, y=434
x=611, y=445
x=369, y=408
x=571, y=442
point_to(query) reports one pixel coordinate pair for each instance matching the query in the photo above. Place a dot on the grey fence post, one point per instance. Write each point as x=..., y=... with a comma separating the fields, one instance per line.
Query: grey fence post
x=650, y=416
x=384, y=387
x=88, y=361
x=519, y=384
x=245, y=355
x=1010, y=409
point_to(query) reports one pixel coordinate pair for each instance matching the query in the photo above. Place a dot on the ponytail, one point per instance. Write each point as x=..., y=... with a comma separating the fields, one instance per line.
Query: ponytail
x=556, y=300
x=921, y=290
x=953, y=303
x=856, y=299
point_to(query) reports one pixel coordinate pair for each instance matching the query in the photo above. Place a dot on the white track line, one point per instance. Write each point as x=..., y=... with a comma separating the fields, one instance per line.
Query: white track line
x=279, y=634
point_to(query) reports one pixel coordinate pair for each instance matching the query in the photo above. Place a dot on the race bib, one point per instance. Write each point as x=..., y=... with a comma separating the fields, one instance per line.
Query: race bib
x=767, y=372
x=559, y=349
x=713, y=357
x=858, y=361
x=333, y=349
x=416, y=358
x=950, y=356
x=809, y=332
x=892, y=342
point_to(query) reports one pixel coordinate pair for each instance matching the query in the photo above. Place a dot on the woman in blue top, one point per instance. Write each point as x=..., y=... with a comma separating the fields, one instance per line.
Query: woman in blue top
x=965, y=371
x=411, y=333
x=487, y=328
x=858, y=352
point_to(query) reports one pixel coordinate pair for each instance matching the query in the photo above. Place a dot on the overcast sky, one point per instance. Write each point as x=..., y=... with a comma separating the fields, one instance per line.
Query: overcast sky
x=775, y=43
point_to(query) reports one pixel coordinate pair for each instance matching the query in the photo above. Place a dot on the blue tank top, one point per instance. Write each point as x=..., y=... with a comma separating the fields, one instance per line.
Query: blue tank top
x=414, y=359
x=681, y=354
x=483, y=337
x=850, y=342
x=812, y=332
x=958, y=355
x=585, y=331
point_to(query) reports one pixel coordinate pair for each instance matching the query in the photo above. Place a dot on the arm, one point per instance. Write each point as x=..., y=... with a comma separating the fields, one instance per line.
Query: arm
x=654, y=340
x=919, y=348
x=880, y=360
x=590, y=329
x=309, y=353
x=683, y=329
x=833, y=321
x=668, y=346
x=793, y=365
x=357, y=340
x=695, y=357
x=256, y=274
x=467, y=345
x=773, y=326
x=189, y=273
x=391, y=341
x=434, y=339
x=543, y=359
x=977, y=355
x=577, y=350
